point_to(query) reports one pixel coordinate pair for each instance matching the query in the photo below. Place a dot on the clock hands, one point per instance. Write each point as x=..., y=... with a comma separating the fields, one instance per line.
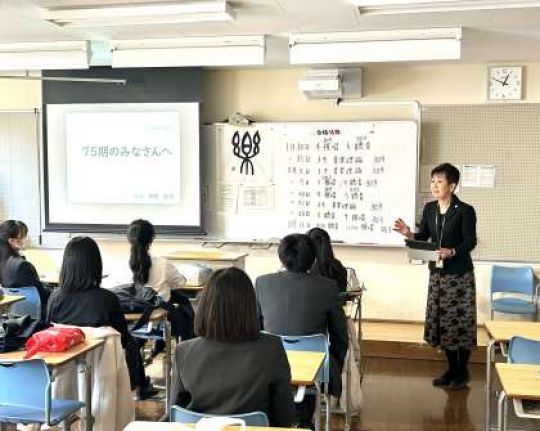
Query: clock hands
x=499, y=81
x=505, y=82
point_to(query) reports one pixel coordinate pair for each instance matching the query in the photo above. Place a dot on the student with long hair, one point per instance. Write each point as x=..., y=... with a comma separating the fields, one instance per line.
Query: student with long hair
x=232, y=368
x=15, y=271
x=325, y=263
x=80, y=301
x=161, y=275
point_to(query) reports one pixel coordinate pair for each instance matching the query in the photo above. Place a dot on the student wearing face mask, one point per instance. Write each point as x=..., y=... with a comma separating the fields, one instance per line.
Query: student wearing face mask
x=451, y=306
x=15, y=271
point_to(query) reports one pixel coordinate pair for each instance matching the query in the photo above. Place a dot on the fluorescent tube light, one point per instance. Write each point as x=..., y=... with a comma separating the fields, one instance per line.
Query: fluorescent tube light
x=392, y=7
x=44, y=55
x=141, y=14
x=375, y=46
x=190, y=51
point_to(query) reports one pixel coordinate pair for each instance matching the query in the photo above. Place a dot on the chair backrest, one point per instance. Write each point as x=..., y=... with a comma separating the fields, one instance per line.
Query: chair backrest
x=254, y=419
x=310, y=343
x=524, y=351
x=31, y=305
x=512, y=280
x=352, y=280
x=24, y=383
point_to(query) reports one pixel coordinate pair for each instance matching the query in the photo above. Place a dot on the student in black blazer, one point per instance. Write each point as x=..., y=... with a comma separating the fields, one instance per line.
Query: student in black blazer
x=15, y=270
x=232, y=368
x=295, y=302
x=80, y=301
x=451, y=307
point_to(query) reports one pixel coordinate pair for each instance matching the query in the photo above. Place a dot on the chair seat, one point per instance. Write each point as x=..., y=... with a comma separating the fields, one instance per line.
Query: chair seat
x=60, y=409
x=513, y=306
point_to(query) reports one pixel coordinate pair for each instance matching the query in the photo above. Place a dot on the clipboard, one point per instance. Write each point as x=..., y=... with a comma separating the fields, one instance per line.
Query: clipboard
x=422, y=250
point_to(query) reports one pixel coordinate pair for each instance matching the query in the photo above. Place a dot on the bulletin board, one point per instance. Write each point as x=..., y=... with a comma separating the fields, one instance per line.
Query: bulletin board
x=351, y=178
x=507, y=137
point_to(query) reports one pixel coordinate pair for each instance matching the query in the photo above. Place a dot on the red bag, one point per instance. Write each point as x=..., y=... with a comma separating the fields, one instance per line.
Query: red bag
x=53, y=339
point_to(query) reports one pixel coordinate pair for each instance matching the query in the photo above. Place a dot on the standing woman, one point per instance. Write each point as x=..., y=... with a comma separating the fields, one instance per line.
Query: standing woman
x=325, y=263
x=451, y=305
x=15, y=270
x=161, y=275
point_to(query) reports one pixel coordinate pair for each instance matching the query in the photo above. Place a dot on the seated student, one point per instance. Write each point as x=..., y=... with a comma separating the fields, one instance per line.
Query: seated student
x=15, y=271
x=80, y=301
x=295, y=302
x=162, y=276
x=232, y=368
x=325, y=263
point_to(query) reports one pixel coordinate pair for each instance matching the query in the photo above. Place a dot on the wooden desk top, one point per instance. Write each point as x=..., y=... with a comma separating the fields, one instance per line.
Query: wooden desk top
x=501, y=330
x=156, y=316
x=304, y=366
x=214, y=256
x=10, y=299
x=168, y=426
x=56, y=359
x=520, y=380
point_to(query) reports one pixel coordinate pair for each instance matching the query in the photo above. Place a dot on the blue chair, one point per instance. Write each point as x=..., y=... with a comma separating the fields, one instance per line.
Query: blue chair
x=524, y=351
x=310, y=343
x=31, y=304
x=25, y=395
x=513, y=291
x=254, y=419
x=313, y=343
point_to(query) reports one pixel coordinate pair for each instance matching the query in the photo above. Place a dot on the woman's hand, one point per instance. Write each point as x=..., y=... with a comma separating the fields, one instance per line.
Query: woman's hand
x=402, y=227
x=446, y=253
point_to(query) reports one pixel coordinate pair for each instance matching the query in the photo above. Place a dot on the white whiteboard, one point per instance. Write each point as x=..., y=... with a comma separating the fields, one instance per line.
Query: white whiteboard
x=351, y=178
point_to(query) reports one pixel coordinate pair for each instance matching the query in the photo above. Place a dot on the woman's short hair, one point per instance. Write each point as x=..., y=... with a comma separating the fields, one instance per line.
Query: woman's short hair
x=14, y=229
x=450, y=172
x=82, y=268
x=227, y=308
x=296, y=252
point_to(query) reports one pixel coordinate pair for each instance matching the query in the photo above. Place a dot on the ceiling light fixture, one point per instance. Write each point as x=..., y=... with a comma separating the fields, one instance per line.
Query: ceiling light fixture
x=189, y=51
x=141, y=14
x=44, y=55
x=394, y=7
x=375, y=46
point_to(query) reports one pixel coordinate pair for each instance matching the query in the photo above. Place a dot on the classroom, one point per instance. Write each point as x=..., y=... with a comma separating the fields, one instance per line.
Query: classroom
x=230, y=125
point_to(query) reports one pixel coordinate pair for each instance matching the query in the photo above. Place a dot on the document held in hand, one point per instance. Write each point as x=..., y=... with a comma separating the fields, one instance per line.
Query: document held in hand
x=422, y=250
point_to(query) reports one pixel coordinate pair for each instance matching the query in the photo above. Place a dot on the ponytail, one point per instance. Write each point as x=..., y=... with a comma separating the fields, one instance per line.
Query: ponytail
x=140, y=235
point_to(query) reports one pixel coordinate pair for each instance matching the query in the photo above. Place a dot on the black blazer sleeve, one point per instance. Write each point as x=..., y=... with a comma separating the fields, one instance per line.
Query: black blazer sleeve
x=179, y=395
x=282, y=410
x=423, y=230
x=337, y=331
x=468, y=230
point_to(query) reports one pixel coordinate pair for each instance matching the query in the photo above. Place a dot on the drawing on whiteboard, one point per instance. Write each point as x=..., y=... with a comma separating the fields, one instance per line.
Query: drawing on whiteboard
x=246, y=149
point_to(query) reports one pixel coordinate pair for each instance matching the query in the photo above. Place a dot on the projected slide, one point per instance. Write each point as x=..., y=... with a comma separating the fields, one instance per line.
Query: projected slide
x=123, y=157
x=107, y=164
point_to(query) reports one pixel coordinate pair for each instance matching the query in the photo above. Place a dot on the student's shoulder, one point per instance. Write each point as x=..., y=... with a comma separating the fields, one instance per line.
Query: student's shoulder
x=266, y=278
x=190, y=346
x=270, y=342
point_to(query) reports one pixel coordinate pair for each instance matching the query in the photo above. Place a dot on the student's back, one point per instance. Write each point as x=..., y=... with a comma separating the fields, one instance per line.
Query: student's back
x=232, y=368
x=297, y=303
x=231, y=378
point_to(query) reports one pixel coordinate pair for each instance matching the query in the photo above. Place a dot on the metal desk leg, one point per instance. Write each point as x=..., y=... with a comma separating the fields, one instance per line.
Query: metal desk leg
x=87, y=370
x=168, y=367
x=501, y=419
x=318, y=407
x=489, y=361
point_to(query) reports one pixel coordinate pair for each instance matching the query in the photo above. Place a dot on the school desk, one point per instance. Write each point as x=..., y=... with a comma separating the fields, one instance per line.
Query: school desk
x=57, y=359
x=518, y=381
x=500, y=332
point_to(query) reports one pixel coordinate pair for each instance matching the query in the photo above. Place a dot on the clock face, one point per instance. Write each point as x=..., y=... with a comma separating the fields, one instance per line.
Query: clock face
x=505, y=83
